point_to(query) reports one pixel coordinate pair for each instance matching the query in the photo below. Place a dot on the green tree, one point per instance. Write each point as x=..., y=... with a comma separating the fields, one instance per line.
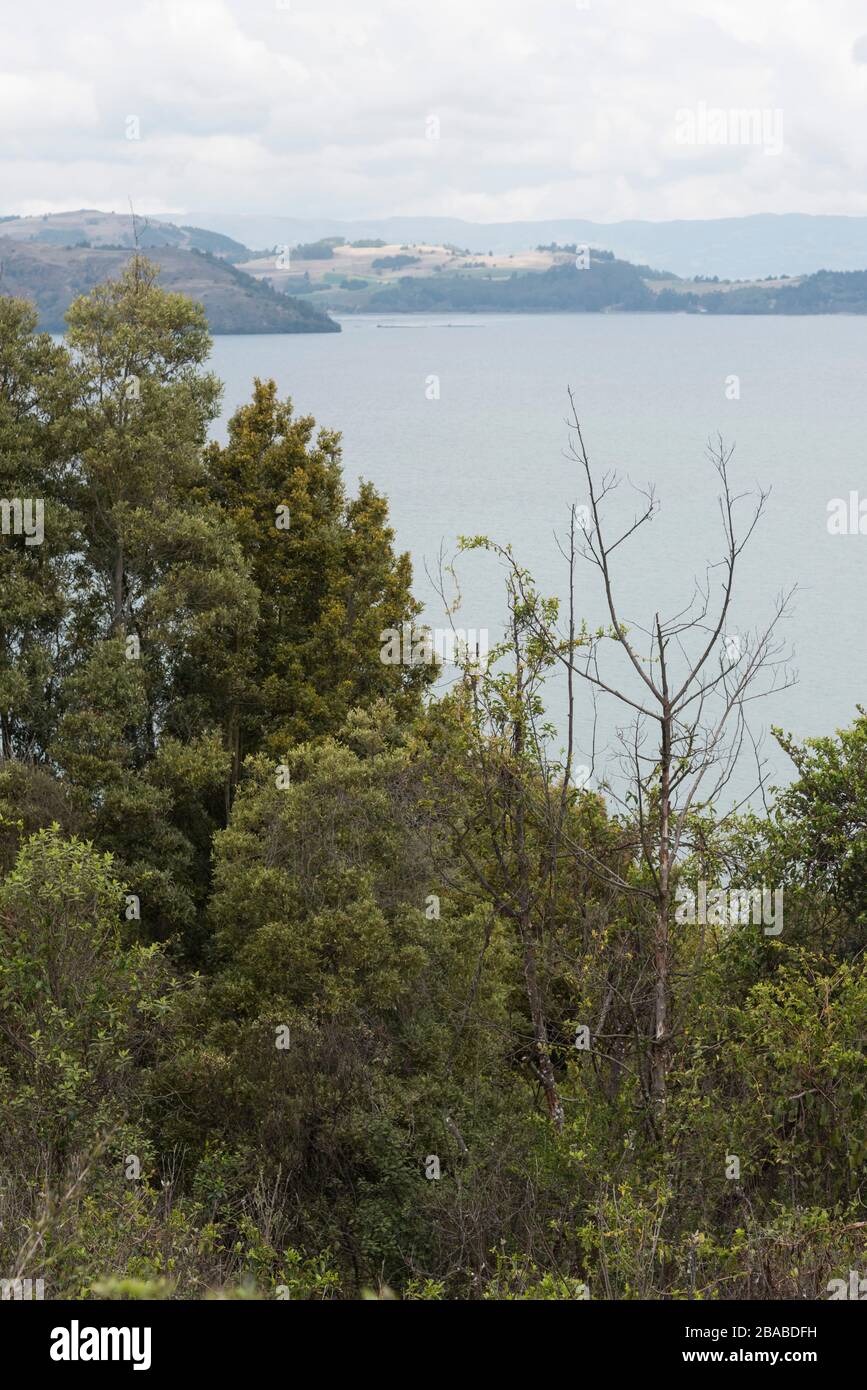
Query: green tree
x=35, y=569
x=328, y=578
x=80, y=1011
x=341, y=1024
x=164, y=605
x=142, y=409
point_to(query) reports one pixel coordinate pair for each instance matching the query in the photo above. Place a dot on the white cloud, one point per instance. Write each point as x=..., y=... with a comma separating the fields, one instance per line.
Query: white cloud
x=319, y=109
x=40, y=102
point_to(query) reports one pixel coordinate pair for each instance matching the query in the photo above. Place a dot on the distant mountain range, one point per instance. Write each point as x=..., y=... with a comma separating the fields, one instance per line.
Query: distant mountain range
x=736, y=248
x=53, y=259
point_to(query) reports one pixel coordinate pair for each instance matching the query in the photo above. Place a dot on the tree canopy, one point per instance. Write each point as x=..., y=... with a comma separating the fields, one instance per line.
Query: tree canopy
x=318, y=980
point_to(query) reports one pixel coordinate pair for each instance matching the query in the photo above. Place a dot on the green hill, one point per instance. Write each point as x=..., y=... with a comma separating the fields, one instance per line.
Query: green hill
x=606, y=284
x=52, y=276
x=610, y=286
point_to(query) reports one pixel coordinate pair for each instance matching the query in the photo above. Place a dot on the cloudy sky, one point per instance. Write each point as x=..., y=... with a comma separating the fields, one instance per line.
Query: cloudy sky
x=483, y=109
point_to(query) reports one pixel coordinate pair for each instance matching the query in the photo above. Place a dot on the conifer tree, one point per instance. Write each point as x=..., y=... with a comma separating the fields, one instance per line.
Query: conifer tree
x=328, y=578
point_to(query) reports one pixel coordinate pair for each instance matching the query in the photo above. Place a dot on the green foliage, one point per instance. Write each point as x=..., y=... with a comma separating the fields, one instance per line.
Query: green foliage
x=398, y=262
x=324, y=1021
x=34, y=577
x=604, y=285
x=315, y=250
x=338, y=1051
x=323, y=564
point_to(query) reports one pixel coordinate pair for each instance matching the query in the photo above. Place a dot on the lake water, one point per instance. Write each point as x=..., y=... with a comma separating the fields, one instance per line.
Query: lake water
x=488, y=456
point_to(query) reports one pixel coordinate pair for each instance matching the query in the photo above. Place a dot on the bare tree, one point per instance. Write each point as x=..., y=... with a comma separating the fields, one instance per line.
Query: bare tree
x=686, y=677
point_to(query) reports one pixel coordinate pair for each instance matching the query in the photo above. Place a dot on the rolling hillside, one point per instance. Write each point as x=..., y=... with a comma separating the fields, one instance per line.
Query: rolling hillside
x=87, y=227
x=53, y=275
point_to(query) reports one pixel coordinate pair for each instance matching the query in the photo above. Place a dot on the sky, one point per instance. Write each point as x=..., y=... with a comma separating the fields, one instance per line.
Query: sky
x=490, y=110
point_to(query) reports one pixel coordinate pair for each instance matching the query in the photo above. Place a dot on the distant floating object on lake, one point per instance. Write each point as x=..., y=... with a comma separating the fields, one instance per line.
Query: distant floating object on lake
x=430, y=325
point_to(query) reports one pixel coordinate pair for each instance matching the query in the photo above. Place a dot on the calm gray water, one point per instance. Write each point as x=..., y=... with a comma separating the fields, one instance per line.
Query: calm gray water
x=488, y=456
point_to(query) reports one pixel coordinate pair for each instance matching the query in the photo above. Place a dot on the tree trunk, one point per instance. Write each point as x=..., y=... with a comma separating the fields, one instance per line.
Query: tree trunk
x=659, y=1050
x=531, y=976
x=540, y=1033
x=233, y=776
x=117, y=622
x=5, y=738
